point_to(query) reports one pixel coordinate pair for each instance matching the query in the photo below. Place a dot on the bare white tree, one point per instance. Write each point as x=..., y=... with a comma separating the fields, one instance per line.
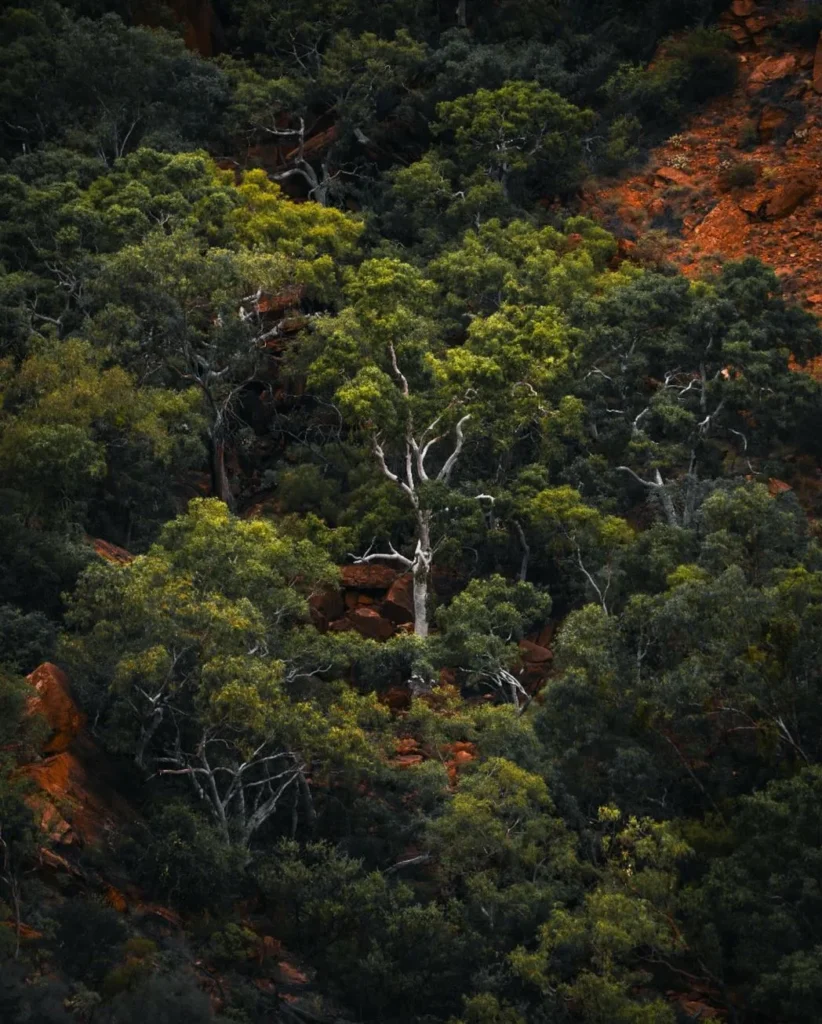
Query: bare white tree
x=415, y=452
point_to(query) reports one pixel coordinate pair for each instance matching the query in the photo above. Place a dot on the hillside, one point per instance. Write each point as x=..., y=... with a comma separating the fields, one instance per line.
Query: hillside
x=410, y=512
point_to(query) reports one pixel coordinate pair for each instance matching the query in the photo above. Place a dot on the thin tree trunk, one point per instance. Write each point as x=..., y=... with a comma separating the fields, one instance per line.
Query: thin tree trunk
x=219, y=477
x=421, y=573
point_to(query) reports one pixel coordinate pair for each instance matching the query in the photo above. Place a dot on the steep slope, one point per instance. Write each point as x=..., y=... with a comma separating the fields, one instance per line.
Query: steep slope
x=743, y=177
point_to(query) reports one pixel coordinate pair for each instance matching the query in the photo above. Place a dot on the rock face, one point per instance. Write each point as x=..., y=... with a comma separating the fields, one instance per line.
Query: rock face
x=74, y=803
x=724, y=230
x=54, y=702
x=111, y=552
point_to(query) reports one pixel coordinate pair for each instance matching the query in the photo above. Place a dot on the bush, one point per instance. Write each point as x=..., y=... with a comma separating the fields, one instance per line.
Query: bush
x=183, y=859
x=693, y=69
x=741, y=175
x=88, y=939
x=748, y=136
x=169, y=999
x=26, y=640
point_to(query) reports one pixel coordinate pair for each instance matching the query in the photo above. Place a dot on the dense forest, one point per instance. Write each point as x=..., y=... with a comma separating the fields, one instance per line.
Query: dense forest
x=433, y=578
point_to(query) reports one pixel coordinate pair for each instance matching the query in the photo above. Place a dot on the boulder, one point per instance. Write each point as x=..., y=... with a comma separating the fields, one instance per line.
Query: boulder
x=369, y=623
x=326, y=606
x=52, y=699
x=817, y=67
x=771, y=69
x=399, y=605
x=533, y=654
x=790, y=195
x=724, y=231
x=743, y=8
x=367, y=577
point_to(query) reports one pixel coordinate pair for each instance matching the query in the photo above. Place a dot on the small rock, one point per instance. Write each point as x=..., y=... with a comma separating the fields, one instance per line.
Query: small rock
x=743, y=8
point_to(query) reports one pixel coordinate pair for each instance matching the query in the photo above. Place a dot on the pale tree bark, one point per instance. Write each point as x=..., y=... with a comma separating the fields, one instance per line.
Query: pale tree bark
x=415, y=452
x=241, y=794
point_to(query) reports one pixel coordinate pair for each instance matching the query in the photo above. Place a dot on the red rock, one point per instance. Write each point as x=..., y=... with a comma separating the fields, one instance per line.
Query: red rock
x=397, y=698
x=75, y=782
x=778, y=486
x=54, y=702
x=771, y=119
x=369, y=623
x=743, y=8
x=672, y=176
x=340, y=626
x=771, y=69
x=326, y=606
x=760, y=23
x=25, y=931
x=725, y=230
x=738, y=33
x=533, y=654
x=546, y=635
x=399, y=605
x=790, y=195
x=367, y=577
x=116, y=900
x=111, y=552
x=817, y=67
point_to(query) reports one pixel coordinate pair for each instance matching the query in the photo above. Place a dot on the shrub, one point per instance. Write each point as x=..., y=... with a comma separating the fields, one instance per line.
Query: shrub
x=692, y=70
x=183, y=859
x=741, y=175
x=748, y=136
x=88, y=939
x=172, y=999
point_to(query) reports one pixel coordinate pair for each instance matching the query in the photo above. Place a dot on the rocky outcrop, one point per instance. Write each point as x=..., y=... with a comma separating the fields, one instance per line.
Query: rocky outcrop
x=111, y=552
x=74, y=799
x=53, y=701
x=724, y=230
x=369, y=623
x=741, y=178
